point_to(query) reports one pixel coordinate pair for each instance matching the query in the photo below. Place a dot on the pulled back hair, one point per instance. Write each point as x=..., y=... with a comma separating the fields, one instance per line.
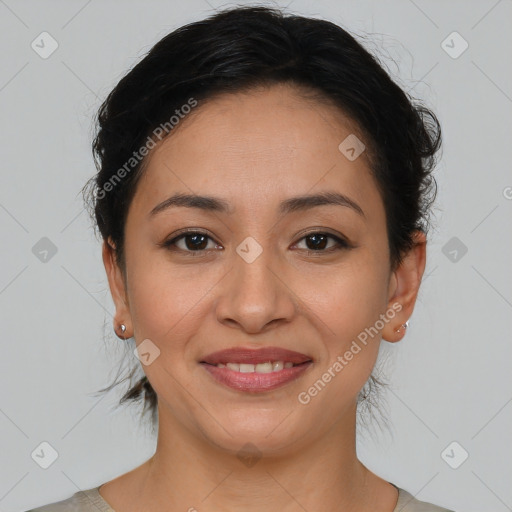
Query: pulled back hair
x=242, y=48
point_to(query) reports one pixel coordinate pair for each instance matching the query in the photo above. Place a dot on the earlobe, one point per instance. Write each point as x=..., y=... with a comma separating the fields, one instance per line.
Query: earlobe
x=404, y=288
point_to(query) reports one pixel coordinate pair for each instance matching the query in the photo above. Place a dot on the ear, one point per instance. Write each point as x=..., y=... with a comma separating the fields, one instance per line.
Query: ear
x=117, y=289
x=404, y=285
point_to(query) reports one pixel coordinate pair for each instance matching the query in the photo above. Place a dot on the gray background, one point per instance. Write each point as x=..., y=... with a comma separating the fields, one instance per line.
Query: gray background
x=450, y=376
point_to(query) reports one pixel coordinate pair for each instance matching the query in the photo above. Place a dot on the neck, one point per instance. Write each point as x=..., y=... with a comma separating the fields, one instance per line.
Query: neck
x=188, y=472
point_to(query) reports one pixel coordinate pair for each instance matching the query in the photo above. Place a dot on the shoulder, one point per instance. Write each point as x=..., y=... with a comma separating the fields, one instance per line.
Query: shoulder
x=89, y=500
x=408, y=503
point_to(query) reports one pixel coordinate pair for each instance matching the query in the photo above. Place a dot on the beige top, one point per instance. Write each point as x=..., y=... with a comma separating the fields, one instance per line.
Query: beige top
x=91, y=500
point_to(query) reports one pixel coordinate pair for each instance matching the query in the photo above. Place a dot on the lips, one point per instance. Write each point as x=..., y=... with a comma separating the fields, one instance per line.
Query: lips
x=255, y=356
x=255, y=382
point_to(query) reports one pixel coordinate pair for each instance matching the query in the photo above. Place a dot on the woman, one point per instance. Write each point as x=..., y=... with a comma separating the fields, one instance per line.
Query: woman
x=263, y=196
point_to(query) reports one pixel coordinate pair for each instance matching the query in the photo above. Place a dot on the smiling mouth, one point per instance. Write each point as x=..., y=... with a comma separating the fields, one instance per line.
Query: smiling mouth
x=255, y=370
x=256, y=378
x=267, y=367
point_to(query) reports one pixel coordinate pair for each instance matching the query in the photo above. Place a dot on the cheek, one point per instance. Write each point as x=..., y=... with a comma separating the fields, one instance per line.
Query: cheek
x=167, y=302
x=351, y=345
x=351, y=310
x=355, y=297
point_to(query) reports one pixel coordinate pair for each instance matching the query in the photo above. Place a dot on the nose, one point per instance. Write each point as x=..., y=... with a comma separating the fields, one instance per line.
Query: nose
x=255, y=296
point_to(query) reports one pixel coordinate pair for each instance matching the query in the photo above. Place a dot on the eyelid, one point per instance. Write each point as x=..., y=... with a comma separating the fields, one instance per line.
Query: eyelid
x=171, y=241
x=319, y=230
x=341, y=241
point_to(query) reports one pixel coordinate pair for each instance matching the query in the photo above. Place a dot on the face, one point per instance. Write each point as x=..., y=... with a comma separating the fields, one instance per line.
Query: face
x=309, y=278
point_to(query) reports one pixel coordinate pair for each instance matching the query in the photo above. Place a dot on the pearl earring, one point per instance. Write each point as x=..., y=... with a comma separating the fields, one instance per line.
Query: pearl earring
x=123, y=330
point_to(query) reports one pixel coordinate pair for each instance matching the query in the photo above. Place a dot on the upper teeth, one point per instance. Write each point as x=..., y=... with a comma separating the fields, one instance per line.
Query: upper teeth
x=271, y=366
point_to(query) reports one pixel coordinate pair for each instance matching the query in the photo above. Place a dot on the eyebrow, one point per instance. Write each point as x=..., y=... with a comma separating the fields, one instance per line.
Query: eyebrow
x=293, y=204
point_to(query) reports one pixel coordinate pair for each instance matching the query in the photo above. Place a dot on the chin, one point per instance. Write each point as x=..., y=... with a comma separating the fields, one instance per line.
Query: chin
x=259, y=432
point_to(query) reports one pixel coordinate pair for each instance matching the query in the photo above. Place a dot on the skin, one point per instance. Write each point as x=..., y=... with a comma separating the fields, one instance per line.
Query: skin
x=254, y=150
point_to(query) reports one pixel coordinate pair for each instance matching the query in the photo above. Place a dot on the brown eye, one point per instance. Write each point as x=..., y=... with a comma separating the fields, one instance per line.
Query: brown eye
x=193, y=241
x=197, y=242
x=318, y=242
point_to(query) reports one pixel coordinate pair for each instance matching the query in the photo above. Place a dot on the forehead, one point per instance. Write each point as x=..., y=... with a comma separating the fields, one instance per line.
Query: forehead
x=261, y=144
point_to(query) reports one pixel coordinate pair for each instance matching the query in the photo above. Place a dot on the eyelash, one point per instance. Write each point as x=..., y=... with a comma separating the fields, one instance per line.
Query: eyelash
x=341, y=243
